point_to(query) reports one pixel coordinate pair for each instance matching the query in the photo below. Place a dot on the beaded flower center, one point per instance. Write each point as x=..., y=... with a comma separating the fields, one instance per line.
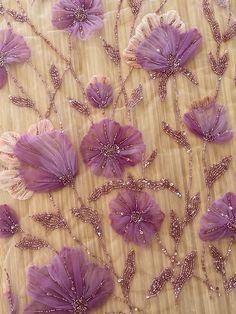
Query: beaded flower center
x=136, y=217
x=173, y=63
x=81, y=15
x=79, y=306
x=1, y=60
x=110, y=150
x=232, y=225
x=67, y=179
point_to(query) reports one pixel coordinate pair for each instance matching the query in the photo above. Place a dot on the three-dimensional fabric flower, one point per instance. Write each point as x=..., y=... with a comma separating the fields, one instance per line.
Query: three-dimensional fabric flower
x=13, y=49
x=109, y=147
x=69, y=284
x=136, y=217
x=81, y=18
x=220, y=219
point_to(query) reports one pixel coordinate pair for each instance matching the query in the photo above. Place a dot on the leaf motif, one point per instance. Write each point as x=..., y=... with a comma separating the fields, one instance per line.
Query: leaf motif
x=112, y=53
x=55, y=76
x=218, y=259
x=210, y=16
x=192, y=208
x=179, y=136
x=31, y=243
x=175, y=227
x=136, y=97
x=77, y=105
x=21, y=101
x=159, y=282
x=135, y=6
x=186, y=272
x=230, y=284
x=18, y=17
x=190, y=76
x=50, y=221
x=128, y=274
x=150, y=159
x=230, y=32
x=219, y=66
x=215, y=171
x=90, y=216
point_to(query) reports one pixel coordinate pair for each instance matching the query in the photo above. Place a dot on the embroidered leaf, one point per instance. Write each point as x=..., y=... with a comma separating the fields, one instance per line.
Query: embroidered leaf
x=179, y=136
x=210, y=16
x=21, y=101
x=175, y=227
x=50, y=221
x=128, y=274
x=31, y=243
x=218, y=259
x=77, y=105
x=18, y=17
x=230, y=284
x=217, y=170
x=190, y=76
x=112, y=53
x=230, y=32
x=220, y=65
x=185, y=274
x=135, y=6
x=192, y=208
x=90, y=216
x=159, y=282
x=55, y=76
x=136, y=97
x=150, y=159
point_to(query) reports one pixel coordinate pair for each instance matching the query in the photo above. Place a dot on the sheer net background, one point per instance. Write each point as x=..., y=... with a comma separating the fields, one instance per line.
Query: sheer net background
x=89, y=59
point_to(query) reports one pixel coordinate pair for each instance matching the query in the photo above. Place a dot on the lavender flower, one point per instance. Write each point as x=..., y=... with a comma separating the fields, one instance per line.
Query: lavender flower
x=81, y=18
x=136, y=216
x=13, y=49
x=100, y=92
x=8, y=222
x=70, y=284
x=208, y=121
x=47, y=161
x=162, y=45
x=109, y=147
x=220, y=219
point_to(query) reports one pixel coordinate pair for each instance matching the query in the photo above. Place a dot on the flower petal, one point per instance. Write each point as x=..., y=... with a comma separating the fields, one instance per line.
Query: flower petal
x=3, y=76
x=40, y=127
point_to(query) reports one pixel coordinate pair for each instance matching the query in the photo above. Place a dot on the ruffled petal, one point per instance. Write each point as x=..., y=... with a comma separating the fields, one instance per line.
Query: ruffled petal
x=7, y=143
x=40, y=127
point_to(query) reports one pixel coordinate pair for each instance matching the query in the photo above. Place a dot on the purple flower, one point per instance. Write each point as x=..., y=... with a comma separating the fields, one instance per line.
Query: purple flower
x=47, y=161
x=70, y=284
x=136, y=216
x=208, y=121
x=220, y=219
x=13, y=49
x=100, y=92
x=8, y=222
x=109, y=147
x=81, y=18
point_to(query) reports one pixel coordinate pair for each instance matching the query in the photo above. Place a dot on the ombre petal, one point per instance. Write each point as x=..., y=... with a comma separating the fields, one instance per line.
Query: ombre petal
x=69, y=284
x=136, y=217
x=7, y=142
x=47, y=161
x=79, y=18
x=3, y=76
x=220, y=219
x=208, y=121
x=109, y=147
x=9, y=224
x=99, y=92
x=13, y=47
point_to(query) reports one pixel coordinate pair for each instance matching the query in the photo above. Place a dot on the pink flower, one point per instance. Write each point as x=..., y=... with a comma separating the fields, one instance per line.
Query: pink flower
x=220, y=219
x=136, y=216
x=48, y=161
x=9, y=224
x=13, y=49
x=70, y=284
x=208, y=121
x=109, y=147
x=100, y=92
x=10, y=179
x=81, y=18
